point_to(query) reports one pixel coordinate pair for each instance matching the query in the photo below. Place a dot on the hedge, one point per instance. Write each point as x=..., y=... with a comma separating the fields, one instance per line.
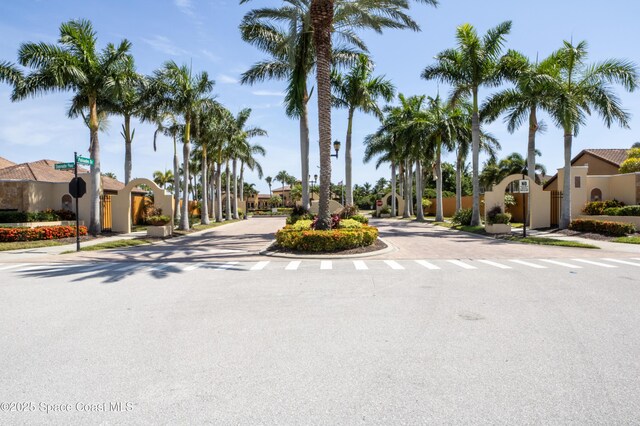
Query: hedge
x=39, y=233
x=595, y=208
x=615, y=229
x=325, y=241
x=43, y=216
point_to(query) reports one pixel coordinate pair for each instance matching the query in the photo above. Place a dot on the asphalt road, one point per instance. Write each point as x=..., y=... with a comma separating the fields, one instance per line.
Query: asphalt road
x=230, y=337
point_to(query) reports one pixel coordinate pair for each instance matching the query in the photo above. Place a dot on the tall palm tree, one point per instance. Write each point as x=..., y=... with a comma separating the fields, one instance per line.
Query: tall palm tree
x=74, y=63
x=283, y=177
x=162, y=178
x=579, y=89
x=532, y=81
x=358, y=90
x=473, y=64
x=269, y=179
x=167, y=124
x=9, y=73
x=177, y=90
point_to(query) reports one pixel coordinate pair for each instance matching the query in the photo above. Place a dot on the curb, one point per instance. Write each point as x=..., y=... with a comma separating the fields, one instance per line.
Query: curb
x=390, y=248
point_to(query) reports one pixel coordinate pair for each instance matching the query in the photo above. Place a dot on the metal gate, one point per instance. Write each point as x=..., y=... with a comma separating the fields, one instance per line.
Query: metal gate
x=556, y=206
x=105, y=212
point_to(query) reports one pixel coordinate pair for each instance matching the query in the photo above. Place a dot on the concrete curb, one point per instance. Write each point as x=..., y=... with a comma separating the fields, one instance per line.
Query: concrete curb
x=390, y=248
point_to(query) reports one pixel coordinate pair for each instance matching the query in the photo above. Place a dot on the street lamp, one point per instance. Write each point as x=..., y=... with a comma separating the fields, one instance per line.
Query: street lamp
x=336, y=146
x=312, y=183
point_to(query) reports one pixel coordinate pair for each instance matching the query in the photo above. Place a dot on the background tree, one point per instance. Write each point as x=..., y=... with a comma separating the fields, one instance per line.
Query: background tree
x=269, y=179
x=632, y=163
x=162, y=178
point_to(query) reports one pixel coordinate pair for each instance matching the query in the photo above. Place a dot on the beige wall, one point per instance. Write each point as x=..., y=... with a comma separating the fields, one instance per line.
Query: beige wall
x=596, y=165
x=539, y=200
x=121, y=204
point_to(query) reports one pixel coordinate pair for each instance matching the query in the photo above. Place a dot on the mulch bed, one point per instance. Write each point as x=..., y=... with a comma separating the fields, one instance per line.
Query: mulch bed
x=377, y=246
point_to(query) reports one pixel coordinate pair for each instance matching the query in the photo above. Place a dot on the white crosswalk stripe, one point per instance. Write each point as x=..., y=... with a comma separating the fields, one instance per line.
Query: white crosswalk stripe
x=529, y=264
x=394, y=265
x=260, y=265
x=565, y=264
x=461, y=264
x=326, y=264
x=591, y=262
x=191, y=267
x=360, y=265
x=496, y=264
x=14, y=266
x=293, y=265
x=623, y=262
x=427, y=265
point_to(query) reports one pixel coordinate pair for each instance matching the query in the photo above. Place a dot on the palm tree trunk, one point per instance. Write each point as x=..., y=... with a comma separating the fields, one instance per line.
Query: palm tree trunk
x=242, y=181
x=184, y=219
x=127, y=148
x=419, y=210
x=204, y=211
x=176, y=182
x=228, y=190
x=348, y=160
x=531, y=155
x=96, y=182
x=219, y=192
x=235, y=189
x=459, y=166
x=410, y=186
x=321, y=20
x=394, y=213
x=475, y=142
x=304, y=150
x=212, y=189
x=439, y=209
x=565, y=217
x=407, y=191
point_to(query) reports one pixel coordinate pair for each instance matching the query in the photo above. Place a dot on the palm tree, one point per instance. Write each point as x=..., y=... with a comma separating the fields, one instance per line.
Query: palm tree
x=530, y=94
x=358, y=90
x=175, y=89
x=162, y=178
x=269, y=179
x=166, y=124
x=474, y=63
x=74, y=63
x=579, y=89
x=283, y=177
x=10, y=74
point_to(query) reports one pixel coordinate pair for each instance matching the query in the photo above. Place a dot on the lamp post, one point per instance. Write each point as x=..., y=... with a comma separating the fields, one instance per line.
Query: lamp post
x=336, y=147
x=524, y=205
x=312, y=183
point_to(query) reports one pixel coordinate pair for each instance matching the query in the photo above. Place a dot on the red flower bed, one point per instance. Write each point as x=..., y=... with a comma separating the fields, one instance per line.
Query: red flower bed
x=8, y=235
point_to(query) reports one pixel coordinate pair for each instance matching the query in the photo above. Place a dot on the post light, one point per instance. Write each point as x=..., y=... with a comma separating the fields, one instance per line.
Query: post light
x=336, y=146
x=525, y=172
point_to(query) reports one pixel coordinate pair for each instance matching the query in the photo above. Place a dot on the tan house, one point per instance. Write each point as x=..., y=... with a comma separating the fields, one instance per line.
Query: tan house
x=261, y=201
x=600, y=162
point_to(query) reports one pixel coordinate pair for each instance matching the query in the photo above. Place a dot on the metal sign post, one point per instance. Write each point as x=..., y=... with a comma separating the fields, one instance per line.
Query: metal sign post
x=524, y=189
x=75, y=173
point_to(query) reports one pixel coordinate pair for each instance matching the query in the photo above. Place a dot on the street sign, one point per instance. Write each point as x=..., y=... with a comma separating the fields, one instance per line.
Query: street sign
x=379, y=203
x=64, y=166
x=86, y=161
x=77, y=187
x=524, y=186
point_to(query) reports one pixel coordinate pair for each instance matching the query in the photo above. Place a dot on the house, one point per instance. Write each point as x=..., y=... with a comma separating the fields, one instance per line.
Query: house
x=600, y=162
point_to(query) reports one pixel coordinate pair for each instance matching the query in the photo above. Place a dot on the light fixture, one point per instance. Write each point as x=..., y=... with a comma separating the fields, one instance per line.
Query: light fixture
x=336, y=147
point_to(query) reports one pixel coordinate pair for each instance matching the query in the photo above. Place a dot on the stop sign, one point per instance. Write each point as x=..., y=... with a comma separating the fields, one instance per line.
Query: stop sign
x=379, y=203
x=77, y=187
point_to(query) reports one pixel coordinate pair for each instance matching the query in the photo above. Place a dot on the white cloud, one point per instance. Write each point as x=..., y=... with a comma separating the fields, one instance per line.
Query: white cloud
x=267, y=93
x=225, y=79
x=185, y=6
x=164, y=45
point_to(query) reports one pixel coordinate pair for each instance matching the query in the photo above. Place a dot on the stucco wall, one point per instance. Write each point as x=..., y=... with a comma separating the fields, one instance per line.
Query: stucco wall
x=596, y=165
x=11, y=195
x=540, y=201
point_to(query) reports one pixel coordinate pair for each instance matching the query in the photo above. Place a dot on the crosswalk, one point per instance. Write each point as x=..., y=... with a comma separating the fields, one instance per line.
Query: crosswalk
x=322, y=266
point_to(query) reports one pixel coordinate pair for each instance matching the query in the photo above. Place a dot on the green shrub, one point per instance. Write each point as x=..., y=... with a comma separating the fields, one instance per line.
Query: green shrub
x=629, y=211
x=462, y=217
x=349, y=224
x=615, y=229
x=159, y=220
x=325, y=241
x=360, y=218
x=595, y=208
x=302, y=225
x=298, y=213
x=348, y=211
x=611, y=211
x=385, y=210
x=495, y=216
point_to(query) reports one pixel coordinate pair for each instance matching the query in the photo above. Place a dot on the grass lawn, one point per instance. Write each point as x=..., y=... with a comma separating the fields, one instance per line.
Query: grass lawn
x=22, y=245
x=628, y=240
x=112, y=244
x=466, y=228
x=548, y=242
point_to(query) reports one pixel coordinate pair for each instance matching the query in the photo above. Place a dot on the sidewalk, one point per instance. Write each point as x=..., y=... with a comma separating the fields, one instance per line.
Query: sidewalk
x=604, y=245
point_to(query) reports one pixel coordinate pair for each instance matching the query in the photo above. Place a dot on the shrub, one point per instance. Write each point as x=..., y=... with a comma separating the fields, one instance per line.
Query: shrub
x=39, y=233
x=326, y=241
x=595, y=208
x=335, y=221
x=385, y=210
x=629, y=211
x=630, y=165
x=349, y=224
x=159, y=220
x=611, y=211
x=302, y=225
x=360, y=218
x=462, y=217
x=298, y=213
x=509, y=200
x=615, y=229
x=43, y=216
x=348, y=211
x=495, y=216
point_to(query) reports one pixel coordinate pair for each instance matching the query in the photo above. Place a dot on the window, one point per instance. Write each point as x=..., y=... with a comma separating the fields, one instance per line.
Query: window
x=66, y=202
x=596, y=194
x=577, y=182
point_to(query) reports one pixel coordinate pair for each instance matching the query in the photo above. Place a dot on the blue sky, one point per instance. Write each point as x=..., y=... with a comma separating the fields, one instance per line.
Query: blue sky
x=205, y=33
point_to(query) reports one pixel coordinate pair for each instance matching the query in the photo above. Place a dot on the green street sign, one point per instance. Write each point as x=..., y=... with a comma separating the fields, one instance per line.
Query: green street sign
x=64, y=166
x=84, y=160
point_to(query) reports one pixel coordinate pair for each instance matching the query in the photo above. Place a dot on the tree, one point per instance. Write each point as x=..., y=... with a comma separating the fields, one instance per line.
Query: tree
x=269, y=179
x=175, y=89
x=632, y=163
x=75, y=64
x=9, y=73
x=358, y=90
x=283, y=177
x=473, y=64
x=162, y=178
x=110, y=175
x=531, y=93
x=579, y=89
x=166, y=124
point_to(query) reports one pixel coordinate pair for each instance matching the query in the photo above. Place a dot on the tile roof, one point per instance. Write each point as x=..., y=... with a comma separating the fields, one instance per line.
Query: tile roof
x=5, y=163
x=613, y=156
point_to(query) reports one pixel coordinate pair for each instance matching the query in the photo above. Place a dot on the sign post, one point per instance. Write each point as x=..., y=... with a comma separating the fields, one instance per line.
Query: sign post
x=75, y=174
x=77, y=186
x=524, y=189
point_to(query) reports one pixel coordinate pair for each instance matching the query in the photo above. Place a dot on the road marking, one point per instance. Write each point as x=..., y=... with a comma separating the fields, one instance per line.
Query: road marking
x=293, y=265
x=226, y=266
x=427, y=264
x=126, y=268
x=360, y=265
x=393, y=264
x=326, y=264
x=191, y=267
x=604, y=265
x=624, y=262
x=555, y=262
x=50, y=267
x=529, y=264
x=14, y=266
x=496, y=264
x=461, y=264
x=260, y=265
